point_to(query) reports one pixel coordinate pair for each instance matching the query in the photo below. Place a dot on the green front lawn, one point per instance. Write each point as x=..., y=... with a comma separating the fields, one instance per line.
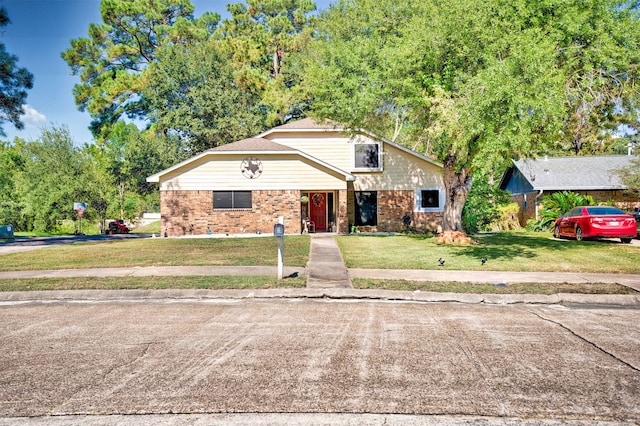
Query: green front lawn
x=261, y=251
x=517, y=251
x=514, y=251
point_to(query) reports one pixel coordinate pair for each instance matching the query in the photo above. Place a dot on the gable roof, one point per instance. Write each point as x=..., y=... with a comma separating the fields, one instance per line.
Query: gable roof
x=568, y=173
x=308, y=124
x=251, y=146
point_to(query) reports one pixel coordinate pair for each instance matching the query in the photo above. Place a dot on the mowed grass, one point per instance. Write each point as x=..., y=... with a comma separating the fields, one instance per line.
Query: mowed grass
x=257, y=251
x=515, y=288
x=151, y=283
x=518, y=251
x=514, y=251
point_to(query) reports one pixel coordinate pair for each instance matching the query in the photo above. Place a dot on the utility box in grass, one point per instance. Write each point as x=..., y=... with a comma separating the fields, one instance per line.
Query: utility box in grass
x=6, y=232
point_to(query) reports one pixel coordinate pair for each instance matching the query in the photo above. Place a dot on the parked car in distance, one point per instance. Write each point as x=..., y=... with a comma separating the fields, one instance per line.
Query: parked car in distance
x=596, y=221
x=117, y=227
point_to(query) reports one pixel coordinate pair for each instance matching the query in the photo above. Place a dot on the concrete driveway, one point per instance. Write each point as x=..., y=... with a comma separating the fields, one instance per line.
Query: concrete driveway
x=316, y=362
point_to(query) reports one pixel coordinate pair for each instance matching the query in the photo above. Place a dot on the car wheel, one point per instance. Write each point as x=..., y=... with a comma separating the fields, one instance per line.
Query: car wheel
x=556, y=232
x=625, y=240
x=579, y=235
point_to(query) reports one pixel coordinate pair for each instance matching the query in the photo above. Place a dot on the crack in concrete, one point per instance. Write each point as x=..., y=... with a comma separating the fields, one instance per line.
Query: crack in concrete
x=587, y=341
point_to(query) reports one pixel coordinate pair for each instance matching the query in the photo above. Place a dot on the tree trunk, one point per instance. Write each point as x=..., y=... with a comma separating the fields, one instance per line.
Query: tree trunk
x=121, y=193
x=457, y=184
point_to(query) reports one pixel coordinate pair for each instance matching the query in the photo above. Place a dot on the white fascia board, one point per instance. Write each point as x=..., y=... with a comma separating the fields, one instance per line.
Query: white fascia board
x=301, y=130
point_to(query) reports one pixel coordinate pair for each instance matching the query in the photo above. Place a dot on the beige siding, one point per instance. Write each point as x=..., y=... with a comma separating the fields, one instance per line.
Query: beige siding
x=402, y=171
x=282, y=172
x=332, y=148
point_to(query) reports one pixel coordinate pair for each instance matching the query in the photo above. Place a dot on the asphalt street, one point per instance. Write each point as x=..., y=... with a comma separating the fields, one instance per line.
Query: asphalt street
x=316, y=361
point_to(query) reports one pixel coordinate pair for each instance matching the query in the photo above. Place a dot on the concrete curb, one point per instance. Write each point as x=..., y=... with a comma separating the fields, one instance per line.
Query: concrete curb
x=190, y=295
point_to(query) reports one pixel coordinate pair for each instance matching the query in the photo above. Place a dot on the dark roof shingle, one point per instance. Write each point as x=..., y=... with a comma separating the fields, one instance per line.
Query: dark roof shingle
x=252, y=144
x=574, y=173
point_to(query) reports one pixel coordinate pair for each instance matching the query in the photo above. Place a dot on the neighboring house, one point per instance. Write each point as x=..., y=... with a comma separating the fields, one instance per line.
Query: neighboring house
x=302, y=171
x=529, y=181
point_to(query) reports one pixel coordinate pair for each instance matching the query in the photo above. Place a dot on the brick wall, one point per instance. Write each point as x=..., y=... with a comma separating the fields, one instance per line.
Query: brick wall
x=342, y=215
x=192, y=213
x=392, y=207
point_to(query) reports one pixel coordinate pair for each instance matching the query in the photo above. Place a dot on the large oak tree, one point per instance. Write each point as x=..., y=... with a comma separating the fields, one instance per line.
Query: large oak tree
x=113, y=59
x=473, y=84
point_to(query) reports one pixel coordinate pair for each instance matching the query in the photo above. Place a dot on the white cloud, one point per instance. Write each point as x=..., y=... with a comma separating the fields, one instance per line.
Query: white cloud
x=32, y=116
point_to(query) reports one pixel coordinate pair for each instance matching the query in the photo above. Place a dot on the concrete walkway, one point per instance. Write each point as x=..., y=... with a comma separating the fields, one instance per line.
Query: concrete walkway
x=325, y=268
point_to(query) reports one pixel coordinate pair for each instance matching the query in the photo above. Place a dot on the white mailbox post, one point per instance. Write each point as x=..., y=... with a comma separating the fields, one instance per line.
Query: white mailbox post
x=278, y=232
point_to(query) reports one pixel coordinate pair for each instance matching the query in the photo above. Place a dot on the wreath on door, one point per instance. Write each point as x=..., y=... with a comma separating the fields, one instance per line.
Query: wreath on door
x=318, y=199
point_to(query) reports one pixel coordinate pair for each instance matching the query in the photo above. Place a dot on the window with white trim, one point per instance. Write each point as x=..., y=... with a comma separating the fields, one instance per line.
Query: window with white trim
x=231, y=200
x=429, y=200
x=367, y=156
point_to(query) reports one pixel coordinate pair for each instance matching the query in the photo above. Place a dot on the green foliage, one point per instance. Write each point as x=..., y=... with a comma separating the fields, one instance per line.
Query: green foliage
x=474, y=84
x=207, y=83
x=507, y=219
x=263, y=40
x=113, y=60
x=121, y=164
x=56, y=174
x=482, y=206
x=631, y=177
x=12, y=164
x=14, y=83
x=192, y=93
x=557, y=204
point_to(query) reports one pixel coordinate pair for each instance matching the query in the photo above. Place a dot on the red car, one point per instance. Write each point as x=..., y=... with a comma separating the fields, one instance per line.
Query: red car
x=596, y=221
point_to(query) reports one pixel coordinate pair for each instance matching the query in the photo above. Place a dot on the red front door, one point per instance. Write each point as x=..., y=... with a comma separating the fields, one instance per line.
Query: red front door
x=318, y=210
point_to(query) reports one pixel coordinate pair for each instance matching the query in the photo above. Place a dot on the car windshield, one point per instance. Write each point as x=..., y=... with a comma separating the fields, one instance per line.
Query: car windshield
x=599, y=211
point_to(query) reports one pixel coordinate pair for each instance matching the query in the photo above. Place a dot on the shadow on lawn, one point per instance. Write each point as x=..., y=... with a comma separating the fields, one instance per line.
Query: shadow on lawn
x=508, y=246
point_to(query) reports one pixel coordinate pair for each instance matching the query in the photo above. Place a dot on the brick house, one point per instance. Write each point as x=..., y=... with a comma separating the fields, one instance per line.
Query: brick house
x=305, y=173
x=528, y=181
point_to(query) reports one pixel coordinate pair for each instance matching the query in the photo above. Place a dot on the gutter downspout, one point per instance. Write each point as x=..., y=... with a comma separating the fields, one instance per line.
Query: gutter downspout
x=537, y=198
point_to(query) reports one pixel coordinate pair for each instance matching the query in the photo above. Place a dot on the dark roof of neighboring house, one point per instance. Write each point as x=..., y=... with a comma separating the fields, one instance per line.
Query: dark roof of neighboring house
x=569, y=173
x=252, y=144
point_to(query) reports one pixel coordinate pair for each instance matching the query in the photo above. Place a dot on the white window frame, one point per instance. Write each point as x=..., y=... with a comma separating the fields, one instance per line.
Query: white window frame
x=418, y=201
x=366, y=169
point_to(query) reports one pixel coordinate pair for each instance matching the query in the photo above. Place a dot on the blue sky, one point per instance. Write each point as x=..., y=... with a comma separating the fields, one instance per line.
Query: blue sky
x=39, y=31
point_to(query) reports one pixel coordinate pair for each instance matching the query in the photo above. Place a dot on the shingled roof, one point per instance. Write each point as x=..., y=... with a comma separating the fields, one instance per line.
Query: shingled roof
x=252, y=144
x=309, y=124
x=568, y=173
